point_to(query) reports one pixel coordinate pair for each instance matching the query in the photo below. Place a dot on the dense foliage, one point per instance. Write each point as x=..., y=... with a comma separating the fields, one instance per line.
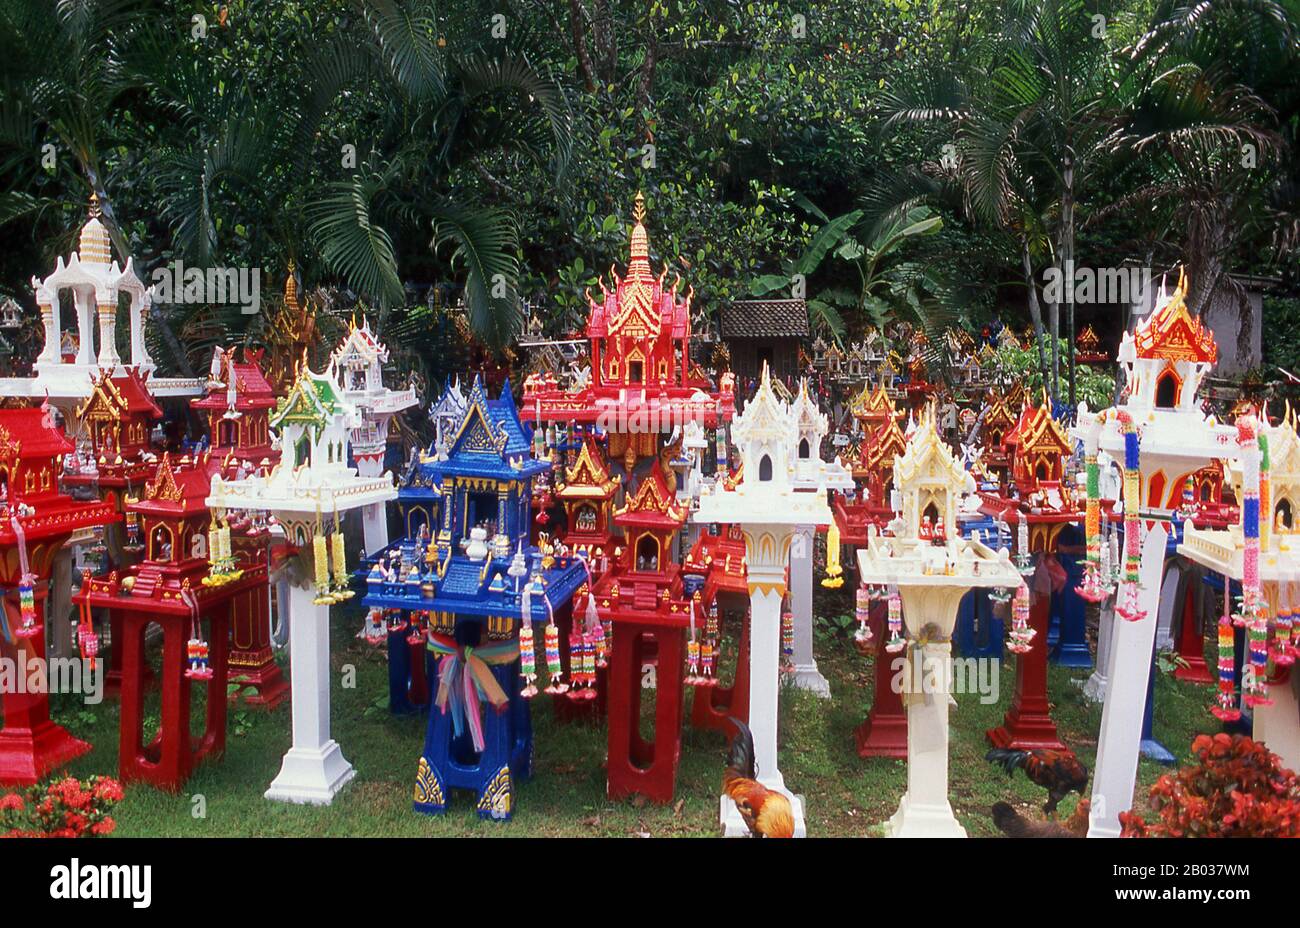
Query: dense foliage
x=912, y=158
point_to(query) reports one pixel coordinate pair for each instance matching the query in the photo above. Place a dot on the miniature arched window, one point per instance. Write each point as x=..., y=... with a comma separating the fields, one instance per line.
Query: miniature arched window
x=1207, y=488
x=1042, y=471
x=416, y=519
x=4, y=483
x=161, y=542
x=586, y=518
x=1284, y=513
x=647, y=553
x=804, y=450
x=302, y=452
x=663, y=370
x=765, y=468
x=226, y=433
x=1167, y=390
x=635, y=372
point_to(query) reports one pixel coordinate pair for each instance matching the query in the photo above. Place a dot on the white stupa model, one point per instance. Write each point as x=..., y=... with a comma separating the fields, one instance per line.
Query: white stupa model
x=67, y=365
x=358, y=366
x=770, y=508
x=931, y=569
x=311, y=487
x=1164, y=360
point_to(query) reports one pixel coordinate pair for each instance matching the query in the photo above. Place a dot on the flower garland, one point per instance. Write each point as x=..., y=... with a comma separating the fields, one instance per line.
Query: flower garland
x=1254, y=612
x=1128, y=607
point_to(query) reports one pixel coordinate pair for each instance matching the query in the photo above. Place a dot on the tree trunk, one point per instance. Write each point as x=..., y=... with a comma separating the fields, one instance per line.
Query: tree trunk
x=1035, y=310
x=1067, y=257
x=578, y=23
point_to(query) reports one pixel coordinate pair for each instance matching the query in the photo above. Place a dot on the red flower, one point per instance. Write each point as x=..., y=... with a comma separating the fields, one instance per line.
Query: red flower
x=104, y=827
x=11, y=802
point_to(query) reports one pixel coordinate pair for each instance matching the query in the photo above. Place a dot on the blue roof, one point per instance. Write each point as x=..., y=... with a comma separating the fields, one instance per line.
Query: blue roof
x=491, y=441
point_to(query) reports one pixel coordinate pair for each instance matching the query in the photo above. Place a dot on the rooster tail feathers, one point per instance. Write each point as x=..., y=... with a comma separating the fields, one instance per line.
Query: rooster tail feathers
x=741, y=755
x=1007, y=759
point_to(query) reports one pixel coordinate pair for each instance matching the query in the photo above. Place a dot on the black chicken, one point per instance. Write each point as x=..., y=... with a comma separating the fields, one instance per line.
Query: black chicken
x=1058, y=772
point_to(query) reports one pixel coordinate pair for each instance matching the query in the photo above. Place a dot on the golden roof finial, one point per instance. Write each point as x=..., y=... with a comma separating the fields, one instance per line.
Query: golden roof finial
x=95, y=208
x=638, y=211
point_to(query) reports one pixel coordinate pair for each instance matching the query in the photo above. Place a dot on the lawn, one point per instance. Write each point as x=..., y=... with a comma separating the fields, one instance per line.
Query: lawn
x=845, y=795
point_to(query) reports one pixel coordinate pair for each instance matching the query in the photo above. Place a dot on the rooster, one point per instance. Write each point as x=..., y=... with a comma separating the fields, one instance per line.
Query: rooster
x=1014, y=825
x=766, y=812
x=1058, y=772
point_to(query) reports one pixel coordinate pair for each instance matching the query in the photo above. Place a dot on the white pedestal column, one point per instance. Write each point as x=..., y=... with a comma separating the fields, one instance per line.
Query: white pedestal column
x=374, y=525
x=1094, y=688
x=806, y=676
x=1170, y=604
x=1126, y=692
x=314, y=769
x=766, y=589
x=280, y=627
x=924, y=811
x=1278, y=725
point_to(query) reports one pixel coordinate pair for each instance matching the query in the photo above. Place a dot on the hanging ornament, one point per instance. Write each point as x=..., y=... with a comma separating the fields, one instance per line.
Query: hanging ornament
x=27, y=624
x=1091, y=589
x=87, y=640
x=834, y=572
x=1021, y=637
x=896, y=642
x=1187, y=507
x=198, y=666
x=711, y=625
x=1226, y=710
x=320, y=558
x=1127, y=607
x=1024, y=560
x=340, y=587
x=373, y=630
x=1254, y=611
x=709, y=662
x=554, y=669
x=693, y=676
x=1283, y=653
x=787, y=634
x=862, y=612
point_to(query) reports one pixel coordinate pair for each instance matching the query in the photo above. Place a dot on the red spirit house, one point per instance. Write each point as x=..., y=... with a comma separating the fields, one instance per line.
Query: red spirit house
x=172, y=588
x=238, y=406
x=36, y=520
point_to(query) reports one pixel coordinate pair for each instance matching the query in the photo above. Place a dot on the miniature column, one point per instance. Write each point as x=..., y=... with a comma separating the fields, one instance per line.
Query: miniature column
x=314, y=769
x=58, y=627
x=1094, y=688
x=85, y=326
x=806, y=676
x=48, y=304
x=1121, y=718
x=766, y=590
x=374, y=525
x=108, y=357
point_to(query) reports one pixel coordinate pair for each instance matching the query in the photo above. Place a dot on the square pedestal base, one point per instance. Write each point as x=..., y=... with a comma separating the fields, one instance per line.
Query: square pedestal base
x=311, y=775
x=733, y=825
x=808, y=677
x=29, y=755
x=915, y=820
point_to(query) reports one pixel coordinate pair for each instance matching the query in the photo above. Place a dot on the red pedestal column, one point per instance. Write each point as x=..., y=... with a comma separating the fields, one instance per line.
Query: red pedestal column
x=1028, y=724
x=636, y=765
x=31, y=746
x=714, y=706
x=1191, y=640
x=169, y=758
x=884, y=732
x=252, y=661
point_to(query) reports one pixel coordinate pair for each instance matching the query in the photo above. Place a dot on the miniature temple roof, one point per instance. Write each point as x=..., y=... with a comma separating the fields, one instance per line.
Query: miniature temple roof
x=808, y=418
x=1037, y=431
x=360, y=344
x=927, y=461
x=873, y=403
x=175, y=492
x=313, y=400
x=999, y=414
x=765, y=417
x=490, y=441
x=1171, y=334
x=639, y=306
x=1014, y=399
x=452, y=403
x=786, y=318
x=653, y=505
x=886, y=443
x=1087, y=339
x=252, y=389
x=123, y=396
x=29, y=432
x=588, y=478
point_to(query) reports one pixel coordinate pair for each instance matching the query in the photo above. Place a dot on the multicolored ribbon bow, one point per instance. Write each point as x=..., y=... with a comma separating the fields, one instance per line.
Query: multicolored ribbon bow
x=465, y=679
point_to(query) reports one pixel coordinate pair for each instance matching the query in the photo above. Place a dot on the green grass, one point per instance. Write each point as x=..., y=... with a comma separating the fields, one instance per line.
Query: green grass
x=845, y=795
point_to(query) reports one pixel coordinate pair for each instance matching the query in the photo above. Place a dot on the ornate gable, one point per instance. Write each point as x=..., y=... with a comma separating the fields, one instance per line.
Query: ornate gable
x=1171, y=334
x=653, y=502
x=163, y=486
x=588, y=478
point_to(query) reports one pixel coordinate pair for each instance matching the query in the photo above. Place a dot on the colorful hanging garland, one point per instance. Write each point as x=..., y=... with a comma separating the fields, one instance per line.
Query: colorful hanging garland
x=1127, y=606
x=1020, y=640
x=27, y=624
x=862, y=612
x=834, y=572
x=1226, y=710
x=197, y=656
x=896, y=641
x=1254, y=612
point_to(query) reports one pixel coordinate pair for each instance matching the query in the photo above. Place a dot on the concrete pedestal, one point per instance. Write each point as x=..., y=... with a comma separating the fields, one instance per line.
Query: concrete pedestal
x=805, y=675
x=924, y=811
x=314, y=769
x=1094, y=688
x=1278, y=725
x=766, y=590
x=374, y=526
x=1128, y=674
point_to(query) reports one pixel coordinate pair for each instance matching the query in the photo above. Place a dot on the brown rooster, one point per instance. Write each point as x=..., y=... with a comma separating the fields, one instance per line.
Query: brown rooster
x=1014, y=825
x=766, y=812
x=1058, y=772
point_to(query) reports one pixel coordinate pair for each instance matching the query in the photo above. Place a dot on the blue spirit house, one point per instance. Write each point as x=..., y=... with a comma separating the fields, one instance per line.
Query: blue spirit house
x=471, y=586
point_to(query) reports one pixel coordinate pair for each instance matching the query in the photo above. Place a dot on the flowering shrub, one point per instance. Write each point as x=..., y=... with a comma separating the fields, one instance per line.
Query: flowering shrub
x=1239, y=790
x=65, y=808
